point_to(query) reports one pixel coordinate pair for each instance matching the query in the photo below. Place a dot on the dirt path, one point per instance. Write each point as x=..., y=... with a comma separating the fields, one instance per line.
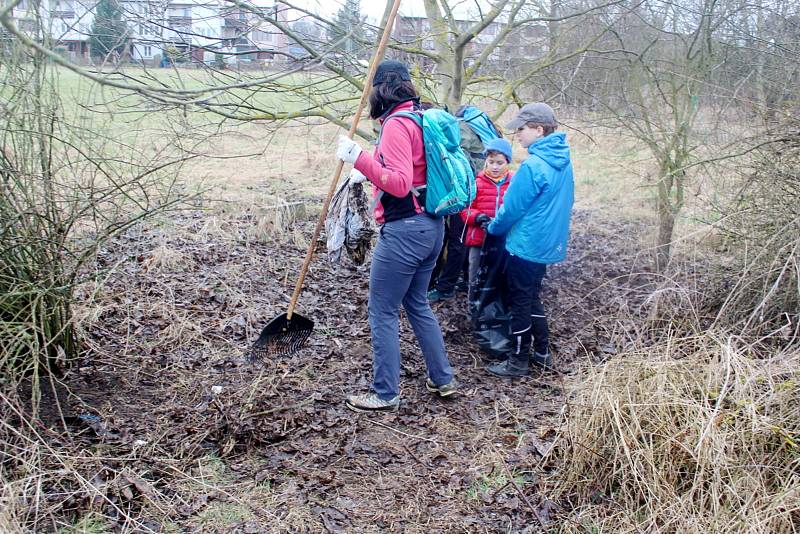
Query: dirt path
x=224, y=446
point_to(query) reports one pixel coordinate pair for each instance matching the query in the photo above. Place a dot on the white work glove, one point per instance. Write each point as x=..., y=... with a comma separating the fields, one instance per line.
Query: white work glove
x=348, y=150
x=356, y=177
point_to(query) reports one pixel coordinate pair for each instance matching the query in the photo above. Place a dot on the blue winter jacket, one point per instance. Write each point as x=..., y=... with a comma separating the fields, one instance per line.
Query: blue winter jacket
x=537, y=207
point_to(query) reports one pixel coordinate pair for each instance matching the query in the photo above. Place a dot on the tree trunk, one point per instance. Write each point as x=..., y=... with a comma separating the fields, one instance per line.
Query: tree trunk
x=666, y=224
x=456, y=92
x=552, y=26
x=668, y=204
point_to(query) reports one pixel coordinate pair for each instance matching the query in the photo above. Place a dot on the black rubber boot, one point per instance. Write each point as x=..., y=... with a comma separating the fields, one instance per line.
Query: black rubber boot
x=543, y=360
x=517, y=363
x=515, y=366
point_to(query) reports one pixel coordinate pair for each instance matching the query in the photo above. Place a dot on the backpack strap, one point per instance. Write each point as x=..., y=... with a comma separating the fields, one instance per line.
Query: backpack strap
x=417, y=118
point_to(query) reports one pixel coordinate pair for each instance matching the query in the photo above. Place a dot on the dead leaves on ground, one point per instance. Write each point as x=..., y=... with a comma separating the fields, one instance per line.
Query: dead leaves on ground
x=166, y=379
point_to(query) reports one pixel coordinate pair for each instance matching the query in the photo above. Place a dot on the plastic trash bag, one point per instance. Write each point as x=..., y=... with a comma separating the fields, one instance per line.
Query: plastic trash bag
x=349, y=224
x=488, y=309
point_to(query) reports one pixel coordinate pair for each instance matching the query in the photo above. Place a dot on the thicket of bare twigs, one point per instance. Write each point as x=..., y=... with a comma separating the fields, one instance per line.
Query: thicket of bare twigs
x=67, y=187
x=763, y=231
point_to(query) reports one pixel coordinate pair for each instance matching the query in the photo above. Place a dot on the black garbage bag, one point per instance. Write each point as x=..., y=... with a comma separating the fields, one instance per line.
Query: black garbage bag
x=488, y=308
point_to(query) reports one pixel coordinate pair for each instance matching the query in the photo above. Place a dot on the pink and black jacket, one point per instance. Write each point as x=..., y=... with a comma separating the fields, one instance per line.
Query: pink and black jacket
x=396, y=166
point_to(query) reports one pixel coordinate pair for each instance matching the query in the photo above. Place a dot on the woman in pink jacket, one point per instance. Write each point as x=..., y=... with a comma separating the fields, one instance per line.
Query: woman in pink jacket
x=408, y=244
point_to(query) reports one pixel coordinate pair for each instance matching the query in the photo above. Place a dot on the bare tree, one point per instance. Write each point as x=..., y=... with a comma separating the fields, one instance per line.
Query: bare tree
x=66, y=187
x=663, y=86
x=506, y=45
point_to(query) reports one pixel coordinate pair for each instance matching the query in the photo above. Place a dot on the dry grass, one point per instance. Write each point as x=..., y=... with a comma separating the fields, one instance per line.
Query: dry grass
x=612, y=175
x=254, y=162
x=165, y=258
x=9, y=521
x=693, y=435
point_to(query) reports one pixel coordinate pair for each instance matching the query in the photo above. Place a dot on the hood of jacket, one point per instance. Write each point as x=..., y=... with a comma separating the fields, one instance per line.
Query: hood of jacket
x=553, y=149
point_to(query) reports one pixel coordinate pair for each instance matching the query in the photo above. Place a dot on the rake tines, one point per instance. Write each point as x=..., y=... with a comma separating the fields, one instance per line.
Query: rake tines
x=281, y=337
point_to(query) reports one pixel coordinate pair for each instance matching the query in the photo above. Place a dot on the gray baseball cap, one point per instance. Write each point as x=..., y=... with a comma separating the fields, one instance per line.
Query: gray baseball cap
x=538, y=112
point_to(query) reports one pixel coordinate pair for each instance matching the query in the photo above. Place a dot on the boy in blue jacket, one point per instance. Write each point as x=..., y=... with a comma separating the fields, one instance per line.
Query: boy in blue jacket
x=535, y=215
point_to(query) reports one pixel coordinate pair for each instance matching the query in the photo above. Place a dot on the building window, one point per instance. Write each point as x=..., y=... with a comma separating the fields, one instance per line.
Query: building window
x=148, y=51
x=262, y=36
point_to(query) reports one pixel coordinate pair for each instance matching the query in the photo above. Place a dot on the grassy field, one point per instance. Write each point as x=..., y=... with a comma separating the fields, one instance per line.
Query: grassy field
x=252, y=162
x=254, y=165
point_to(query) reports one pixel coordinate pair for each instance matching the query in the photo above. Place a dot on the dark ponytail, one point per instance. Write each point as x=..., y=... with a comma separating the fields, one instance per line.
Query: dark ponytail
x=387, y=95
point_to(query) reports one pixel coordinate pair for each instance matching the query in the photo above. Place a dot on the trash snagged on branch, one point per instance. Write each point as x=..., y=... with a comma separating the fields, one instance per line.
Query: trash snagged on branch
x=349, y=224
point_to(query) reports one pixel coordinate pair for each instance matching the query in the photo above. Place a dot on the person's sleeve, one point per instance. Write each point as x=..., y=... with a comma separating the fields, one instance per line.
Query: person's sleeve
x=519, y=197
x=395, y=173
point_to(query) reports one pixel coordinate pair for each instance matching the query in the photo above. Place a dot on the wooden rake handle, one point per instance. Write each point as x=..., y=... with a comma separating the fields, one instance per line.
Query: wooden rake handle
x=387, y=30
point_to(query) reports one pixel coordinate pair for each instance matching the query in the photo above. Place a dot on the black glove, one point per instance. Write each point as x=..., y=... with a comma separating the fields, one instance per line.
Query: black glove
x=483, y=220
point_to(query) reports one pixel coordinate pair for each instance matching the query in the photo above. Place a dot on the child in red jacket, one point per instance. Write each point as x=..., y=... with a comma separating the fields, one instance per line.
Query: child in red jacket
x=492, y=183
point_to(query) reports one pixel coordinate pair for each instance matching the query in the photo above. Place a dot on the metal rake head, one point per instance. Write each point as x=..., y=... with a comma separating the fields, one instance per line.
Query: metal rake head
x=281, y=337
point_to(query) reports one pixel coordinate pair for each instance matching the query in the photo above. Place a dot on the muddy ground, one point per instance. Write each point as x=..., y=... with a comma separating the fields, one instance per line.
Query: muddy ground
x=172, y=430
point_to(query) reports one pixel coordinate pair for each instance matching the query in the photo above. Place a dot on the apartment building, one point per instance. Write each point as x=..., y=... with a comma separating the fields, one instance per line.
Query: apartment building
x=69, y=22
x=247, y=37
x=522, y=44
x=63, y=22
x=199, y=31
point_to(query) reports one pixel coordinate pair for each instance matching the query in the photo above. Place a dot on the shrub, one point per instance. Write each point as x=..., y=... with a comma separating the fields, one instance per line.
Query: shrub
x=762, y=295
x=63, y=192
x=693, y=435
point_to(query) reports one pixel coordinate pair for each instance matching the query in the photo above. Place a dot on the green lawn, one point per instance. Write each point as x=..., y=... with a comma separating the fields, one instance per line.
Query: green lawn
x=253, y=161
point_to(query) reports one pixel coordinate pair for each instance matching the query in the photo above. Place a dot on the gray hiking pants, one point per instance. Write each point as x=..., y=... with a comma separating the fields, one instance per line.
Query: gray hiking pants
x=401, y=270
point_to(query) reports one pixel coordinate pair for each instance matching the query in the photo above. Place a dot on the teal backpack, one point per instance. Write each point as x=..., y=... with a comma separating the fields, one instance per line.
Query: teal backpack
x=450, y=180
x=477, y=129
x=480, y=123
